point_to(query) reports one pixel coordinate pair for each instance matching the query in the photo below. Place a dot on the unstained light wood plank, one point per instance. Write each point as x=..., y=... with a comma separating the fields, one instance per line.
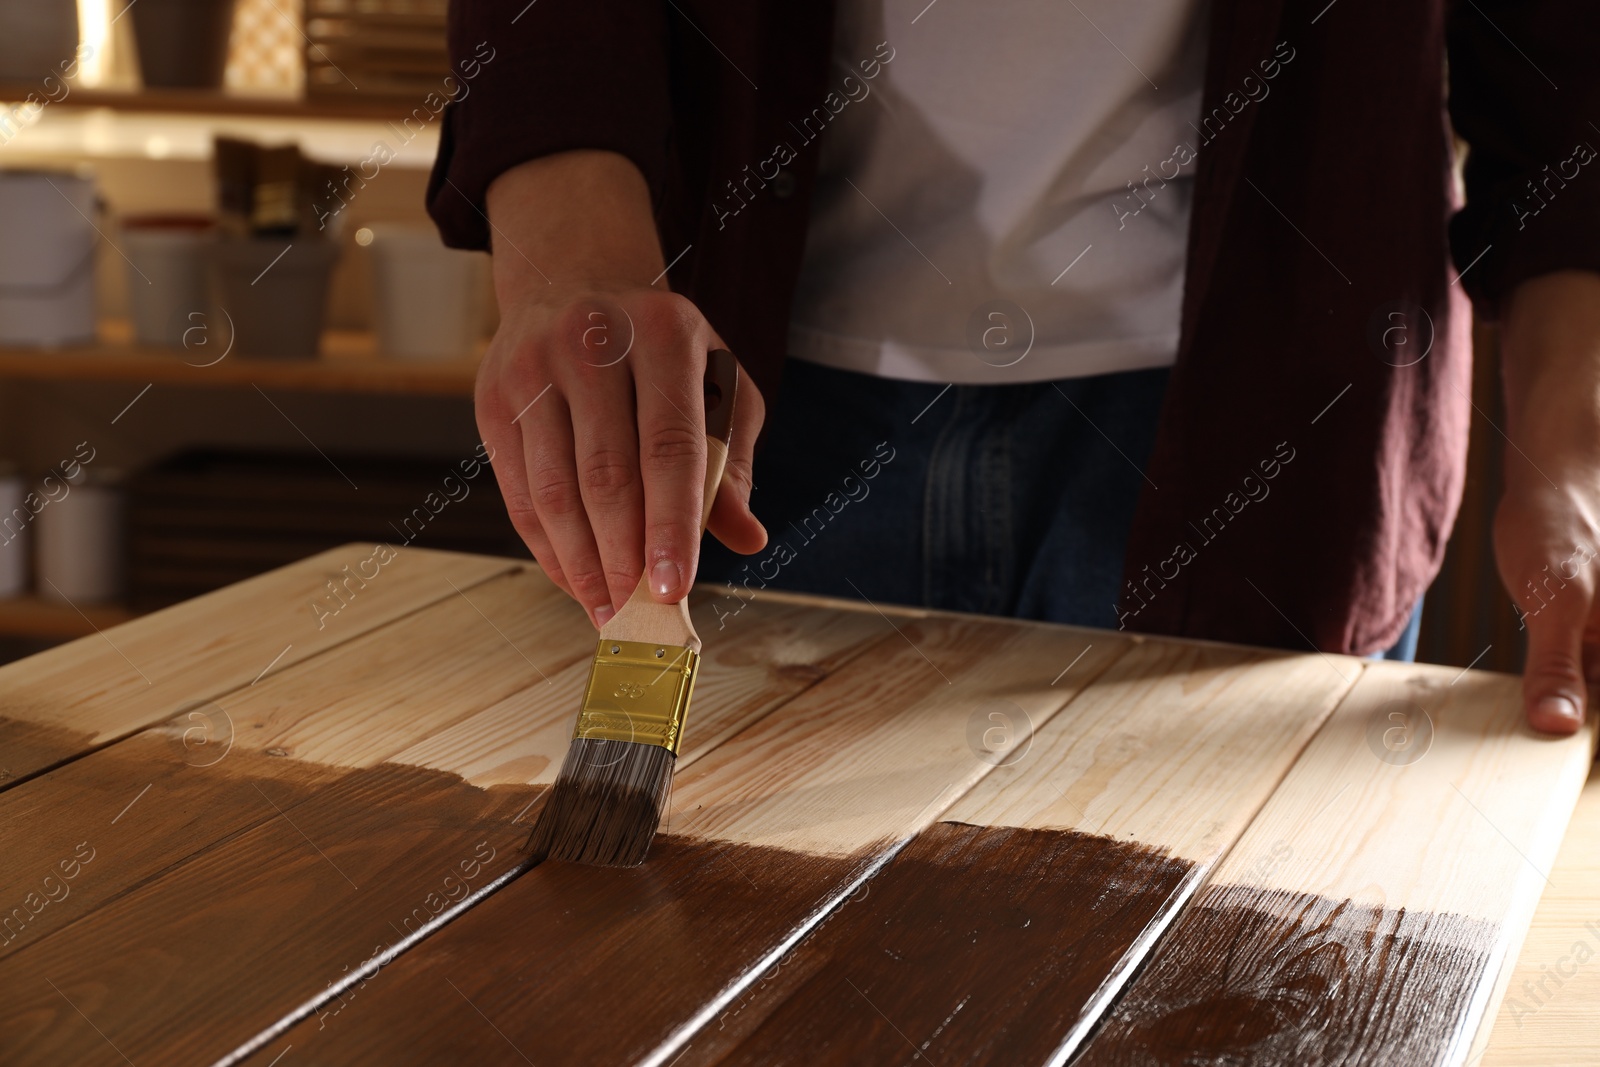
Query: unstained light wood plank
x=1551, y=1010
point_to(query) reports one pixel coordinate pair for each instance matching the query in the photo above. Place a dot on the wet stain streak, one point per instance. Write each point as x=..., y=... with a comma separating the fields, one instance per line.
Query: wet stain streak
x=1248, y=977
x=26, y=748
x=976, y=945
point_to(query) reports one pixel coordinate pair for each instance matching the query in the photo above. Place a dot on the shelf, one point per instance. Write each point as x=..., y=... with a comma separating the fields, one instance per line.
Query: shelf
x=32, y=617
x=349, y=363
x=215, y=102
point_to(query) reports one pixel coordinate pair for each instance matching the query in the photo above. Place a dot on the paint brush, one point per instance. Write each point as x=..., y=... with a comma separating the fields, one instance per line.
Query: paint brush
x=609, y=797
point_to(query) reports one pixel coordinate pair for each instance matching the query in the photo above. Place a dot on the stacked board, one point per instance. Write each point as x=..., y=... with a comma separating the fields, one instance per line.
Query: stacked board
x=893, y=836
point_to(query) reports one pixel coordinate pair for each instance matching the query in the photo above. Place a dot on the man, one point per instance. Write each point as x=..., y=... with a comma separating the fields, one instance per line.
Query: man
x=905, y=196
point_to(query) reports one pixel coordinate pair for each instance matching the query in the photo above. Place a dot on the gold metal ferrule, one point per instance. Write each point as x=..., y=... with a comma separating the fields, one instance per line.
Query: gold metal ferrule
x=638, y=692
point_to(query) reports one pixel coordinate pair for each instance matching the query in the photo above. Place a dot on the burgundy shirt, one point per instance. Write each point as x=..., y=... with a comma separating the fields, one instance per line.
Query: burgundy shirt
x=1312, y=445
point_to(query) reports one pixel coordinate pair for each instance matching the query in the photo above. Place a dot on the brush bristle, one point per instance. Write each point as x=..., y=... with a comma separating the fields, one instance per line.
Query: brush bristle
x=606, y=804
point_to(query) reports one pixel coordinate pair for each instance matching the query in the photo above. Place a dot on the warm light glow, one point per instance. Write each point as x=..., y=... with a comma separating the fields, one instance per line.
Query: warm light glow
x=94, y=31
x=157, y=147
x=363, y=237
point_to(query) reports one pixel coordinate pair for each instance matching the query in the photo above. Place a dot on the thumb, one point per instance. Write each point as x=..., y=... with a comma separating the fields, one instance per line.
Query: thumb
x=1553, y=689
x=732, y=521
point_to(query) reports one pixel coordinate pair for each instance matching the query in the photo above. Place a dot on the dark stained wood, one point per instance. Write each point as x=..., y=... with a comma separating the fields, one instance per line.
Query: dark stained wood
x=186, y=967
x=141, y=809
x=975, y=945
x=28, y=747
x=1247, y=977
x=580, y=965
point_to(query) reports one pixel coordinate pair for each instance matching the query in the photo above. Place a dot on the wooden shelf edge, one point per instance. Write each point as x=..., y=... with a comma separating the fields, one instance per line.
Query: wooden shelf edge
x=31, y=616
x=338, y=373
x=214, y=102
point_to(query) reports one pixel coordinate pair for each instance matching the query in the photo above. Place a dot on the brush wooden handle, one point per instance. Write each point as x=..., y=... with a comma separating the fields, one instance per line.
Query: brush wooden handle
x=642, y=618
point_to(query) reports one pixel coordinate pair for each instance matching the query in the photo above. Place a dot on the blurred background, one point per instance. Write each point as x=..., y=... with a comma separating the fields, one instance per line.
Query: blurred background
x=222, y=306
x=229, y=336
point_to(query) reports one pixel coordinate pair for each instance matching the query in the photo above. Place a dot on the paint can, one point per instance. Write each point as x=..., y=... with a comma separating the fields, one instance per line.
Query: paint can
x=14, y=533
x=428, y=298
x=47, y=243
x=274, y=291
x=166, y=260
x=80, y=556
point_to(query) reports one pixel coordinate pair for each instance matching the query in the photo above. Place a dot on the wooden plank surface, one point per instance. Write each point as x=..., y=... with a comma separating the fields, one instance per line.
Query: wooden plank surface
x=854, y=871
x=1368, y=910
x=1551, y=1011
x=769, y=830
x=1002, y=931
x=202, y=776
x=68, y=700
x=337, y=868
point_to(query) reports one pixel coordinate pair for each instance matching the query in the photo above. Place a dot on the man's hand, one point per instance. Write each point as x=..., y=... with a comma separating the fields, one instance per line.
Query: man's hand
x=590, y=393
x=1547, y=527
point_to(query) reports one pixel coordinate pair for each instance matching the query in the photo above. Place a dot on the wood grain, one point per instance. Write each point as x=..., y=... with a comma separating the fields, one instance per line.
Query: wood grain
x=975, y=945
x=1000, y=933
x=313, y=880
x=1367, y=910
x=384, y=690
x=1548, y=1015
x=770, y=649
x=109, y=685
x=1253, y=978
x=185, y=968
x=769, y=831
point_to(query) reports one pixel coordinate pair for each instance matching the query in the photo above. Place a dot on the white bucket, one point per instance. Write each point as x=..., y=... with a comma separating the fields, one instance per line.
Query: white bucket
x=13, y=534
x=79, y=545
x=166, y=275
x=47, y=246
x=429, y=298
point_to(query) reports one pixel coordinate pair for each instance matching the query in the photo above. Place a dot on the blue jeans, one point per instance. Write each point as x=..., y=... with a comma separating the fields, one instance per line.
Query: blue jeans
x=998, y=499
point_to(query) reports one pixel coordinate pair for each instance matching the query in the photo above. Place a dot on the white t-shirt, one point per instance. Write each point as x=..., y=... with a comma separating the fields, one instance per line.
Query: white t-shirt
x=973, y=220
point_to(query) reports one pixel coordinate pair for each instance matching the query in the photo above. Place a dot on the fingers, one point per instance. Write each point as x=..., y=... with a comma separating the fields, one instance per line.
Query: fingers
x=1553, y=687
x=602, y=466
x=552, y=484
x=504, y=438
x=732, y=521
x=672, y=447
x=599, y=393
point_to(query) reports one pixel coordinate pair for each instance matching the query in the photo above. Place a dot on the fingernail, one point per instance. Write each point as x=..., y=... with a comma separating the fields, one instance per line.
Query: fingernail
x=1558, y=707
x=664, y=578
x=603, y=614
